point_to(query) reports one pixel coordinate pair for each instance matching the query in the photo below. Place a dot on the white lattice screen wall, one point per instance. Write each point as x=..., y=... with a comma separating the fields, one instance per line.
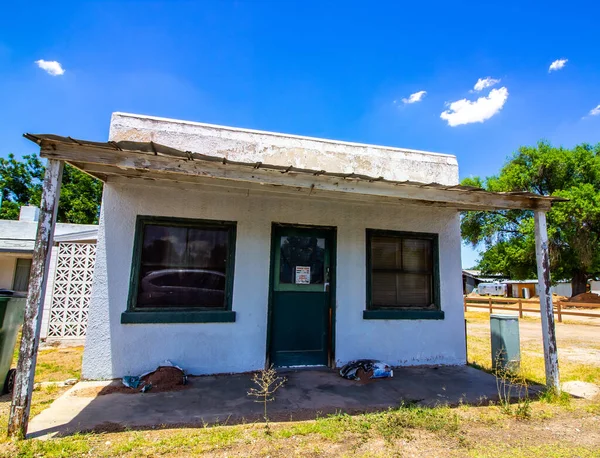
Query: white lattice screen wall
x=72, y=288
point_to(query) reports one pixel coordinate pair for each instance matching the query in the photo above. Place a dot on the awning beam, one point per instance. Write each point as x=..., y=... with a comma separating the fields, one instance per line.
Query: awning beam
x=103, y=161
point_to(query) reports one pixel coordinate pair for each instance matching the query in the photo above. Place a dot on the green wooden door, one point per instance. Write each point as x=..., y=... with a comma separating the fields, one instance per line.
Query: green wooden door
x=300, y=296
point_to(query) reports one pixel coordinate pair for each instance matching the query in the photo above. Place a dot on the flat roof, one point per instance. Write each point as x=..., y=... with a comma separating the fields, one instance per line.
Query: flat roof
x=280, y=134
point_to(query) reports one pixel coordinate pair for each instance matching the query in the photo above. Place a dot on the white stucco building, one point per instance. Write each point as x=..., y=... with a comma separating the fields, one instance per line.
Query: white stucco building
x=226, y=250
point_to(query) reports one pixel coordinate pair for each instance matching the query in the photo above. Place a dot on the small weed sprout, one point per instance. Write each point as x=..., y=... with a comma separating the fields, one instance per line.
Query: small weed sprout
x=512, y=384
x=268, y=383
x=51, y=388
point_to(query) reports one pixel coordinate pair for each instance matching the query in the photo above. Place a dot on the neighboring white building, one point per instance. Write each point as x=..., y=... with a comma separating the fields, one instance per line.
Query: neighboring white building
x=226, y=250
x=70, y=272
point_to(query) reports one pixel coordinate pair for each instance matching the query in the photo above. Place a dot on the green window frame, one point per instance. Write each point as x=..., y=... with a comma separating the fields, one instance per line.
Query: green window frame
x=184, y=314
x=390, y=312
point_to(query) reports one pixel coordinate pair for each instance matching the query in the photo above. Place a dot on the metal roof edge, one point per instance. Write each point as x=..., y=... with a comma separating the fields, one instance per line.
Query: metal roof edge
x=151, y=148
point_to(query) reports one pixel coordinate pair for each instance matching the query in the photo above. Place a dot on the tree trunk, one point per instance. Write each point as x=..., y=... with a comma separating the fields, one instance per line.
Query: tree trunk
x=579, y=282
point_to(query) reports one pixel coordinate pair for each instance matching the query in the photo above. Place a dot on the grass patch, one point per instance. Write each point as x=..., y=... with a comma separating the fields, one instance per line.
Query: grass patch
x=58, y=364
x=54, y=364
x=552, y=397
x=407, y=430
x=77, y=445
x=479, y=353
x=391, y=424
x=541, y=451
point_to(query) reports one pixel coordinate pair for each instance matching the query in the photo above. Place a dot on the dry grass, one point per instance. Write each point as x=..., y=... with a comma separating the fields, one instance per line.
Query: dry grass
x=41, y=399
x=552, y=430
x=532, y=360
x=58, y=364
x=54, y=364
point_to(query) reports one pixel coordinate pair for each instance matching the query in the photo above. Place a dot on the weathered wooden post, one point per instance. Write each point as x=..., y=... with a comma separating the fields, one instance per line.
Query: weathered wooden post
x=21, y=401
x=546, y=308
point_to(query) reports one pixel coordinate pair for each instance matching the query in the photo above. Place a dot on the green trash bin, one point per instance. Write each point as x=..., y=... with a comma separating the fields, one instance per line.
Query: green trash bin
x=506, y=351
x=12, y=310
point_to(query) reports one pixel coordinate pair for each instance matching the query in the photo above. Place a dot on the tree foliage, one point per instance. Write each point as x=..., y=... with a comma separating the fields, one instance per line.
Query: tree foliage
x=573, y=226
x=21, y=182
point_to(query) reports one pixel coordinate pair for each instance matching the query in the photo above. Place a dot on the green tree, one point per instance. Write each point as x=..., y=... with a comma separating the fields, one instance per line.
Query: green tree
x=21, y=183
x=573, y=226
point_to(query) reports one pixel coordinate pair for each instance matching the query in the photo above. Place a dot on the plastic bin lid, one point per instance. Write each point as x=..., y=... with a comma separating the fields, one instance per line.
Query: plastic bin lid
x=500, y=316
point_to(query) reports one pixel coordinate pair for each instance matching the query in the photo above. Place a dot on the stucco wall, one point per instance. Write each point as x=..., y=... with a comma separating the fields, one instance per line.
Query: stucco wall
x=8, y=263
x=283, y=149
x=114, y=350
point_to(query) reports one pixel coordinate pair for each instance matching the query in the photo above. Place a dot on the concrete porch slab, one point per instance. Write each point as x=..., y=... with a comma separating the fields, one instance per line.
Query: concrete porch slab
x=223, y=398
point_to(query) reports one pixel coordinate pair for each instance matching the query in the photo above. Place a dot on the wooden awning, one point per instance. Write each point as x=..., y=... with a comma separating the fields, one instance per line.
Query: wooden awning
x=152, y=161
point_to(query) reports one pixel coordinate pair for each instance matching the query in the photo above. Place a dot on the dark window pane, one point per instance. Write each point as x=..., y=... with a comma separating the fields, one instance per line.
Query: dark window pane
x=414, y=290
x=297, y=251
x=416, y=255
x=22, y=270
x=207, y=248
x=183, y=267
x=384, y=289
x=164, y=246
x=401, y=290
x=401, y=272
x=386, y=252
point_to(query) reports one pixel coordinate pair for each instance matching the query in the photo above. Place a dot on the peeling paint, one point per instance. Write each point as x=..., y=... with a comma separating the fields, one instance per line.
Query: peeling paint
x=281, y=149
x=546, y=306
x=21, y=401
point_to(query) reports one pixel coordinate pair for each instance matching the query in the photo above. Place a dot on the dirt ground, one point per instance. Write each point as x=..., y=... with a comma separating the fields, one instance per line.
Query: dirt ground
x=576, y=342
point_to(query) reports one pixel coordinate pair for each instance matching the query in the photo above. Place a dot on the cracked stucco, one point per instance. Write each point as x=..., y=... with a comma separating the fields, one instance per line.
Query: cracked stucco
x=282, y=149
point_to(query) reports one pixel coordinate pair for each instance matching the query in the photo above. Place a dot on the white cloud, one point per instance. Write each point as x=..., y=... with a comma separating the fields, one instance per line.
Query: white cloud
x=466, y=111
x=416, y=97
x=51, y=67
x=595, y=111
x=557, y=65
x=483, y=83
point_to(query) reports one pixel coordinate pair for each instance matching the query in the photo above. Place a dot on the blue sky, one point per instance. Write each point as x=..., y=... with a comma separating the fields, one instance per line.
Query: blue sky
x=328, y=69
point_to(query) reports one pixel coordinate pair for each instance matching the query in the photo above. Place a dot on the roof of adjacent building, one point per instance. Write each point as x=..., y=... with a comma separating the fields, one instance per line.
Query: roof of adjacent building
x=19, y=236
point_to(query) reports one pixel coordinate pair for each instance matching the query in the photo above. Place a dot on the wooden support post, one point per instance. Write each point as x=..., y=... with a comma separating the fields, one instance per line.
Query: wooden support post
x=21, y=401
x=520, y=308
x=559, y=311
x=546, y=308
x=465, y=302
x=490, y=304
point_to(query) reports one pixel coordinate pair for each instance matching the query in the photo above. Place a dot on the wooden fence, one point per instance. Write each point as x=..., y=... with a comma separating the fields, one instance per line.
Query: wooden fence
x=561, y=308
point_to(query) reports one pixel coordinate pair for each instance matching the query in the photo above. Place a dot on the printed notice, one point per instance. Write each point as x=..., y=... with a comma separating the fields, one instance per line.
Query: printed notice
x=303, y=275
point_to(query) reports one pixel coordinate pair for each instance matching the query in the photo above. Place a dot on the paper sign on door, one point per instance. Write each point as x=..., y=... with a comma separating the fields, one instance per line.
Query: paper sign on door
x=303, y=275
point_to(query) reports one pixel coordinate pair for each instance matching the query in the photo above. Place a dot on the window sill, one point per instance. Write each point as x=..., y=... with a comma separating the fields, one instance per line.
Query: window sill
x=200, y=316
x=396, y=314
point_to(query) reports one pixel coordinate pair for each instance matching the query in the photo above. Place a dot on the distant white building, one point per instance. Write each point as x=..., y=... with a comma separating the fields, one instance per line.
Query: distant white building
x=70, y=274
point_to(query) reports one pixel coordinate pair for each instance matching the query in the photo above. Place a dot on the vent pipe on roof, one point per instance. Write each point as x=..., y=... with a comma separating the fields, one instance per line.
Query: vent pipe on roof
x=29, y=213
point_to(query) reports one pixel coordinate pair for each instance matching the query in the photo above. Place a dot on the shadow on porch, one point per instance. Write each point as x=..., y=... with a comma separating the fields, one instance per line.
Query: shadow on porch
x=223, y=399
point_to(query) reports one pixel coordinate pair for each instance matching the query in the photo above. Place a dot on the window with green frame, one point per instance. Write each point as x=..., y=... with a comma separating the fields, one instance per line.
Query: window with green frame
x=402, y=275
x=182, y=271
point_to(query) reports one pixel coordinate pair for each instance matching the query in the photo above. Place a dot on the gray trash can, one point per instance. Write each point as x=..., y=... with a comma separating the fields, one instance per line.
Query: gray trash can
x=12, y=310
x=506, y=351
